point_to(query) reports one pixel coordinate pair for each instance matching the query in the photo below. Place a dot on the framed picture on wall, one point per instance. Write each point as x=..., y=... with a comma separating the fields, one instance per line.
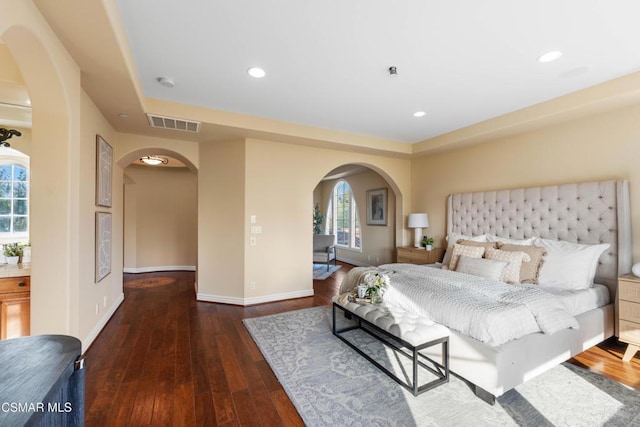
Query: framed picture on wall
x=377, y=207
x=103, y=245
x=104, y=166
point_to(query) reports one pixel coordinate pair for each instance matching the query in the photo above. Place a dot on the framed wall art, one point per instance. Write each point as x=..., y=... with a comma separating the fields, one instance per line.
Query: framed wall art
x=377, y=207
x=103, y=245
x=104, y=167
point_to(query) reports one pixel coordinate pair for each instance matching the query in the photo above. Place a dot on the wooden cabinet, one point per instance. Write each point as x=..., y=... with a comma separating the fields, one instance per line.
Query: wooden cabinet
x=15, y=307
x=413, y=255
x=629, y=314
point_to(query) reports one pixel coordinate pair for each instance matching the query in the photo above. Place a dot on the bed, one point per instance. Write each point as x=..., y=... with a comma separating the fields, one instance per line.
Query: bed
x=595, y=213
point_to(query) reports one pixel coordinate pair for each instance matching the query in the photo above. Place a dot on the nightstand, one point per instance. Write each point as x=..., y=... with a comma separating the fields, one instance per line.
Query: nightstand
x=411, y=255
x=629, y=313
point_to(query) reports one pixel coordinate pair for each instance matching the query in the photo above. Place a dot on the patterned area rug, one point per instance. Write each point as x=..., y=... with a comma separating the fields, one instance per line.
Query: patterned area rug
x=320, y=271
x=330, y=385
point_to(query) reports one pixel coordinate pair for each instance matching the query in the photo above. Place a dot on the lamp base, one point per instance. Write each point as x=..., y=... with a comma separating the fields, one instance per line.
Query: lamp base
x=417, y=237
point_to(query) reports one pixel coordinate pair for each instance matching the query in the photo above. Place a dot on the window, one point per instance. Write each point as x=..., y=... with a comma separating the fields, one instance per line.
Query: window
x=14, y=200
x=342, y=217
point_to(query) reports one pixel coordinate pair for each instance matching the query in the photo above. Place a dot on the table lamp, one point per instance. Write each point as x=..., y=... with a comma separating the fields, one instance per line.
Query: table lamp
x=417, y=221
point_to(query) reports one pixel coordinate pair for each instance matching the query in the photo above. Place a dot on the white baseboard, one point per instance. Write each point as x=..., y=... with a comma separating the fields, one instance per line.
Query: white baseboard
x=107, y=315
x=354, y=262
x=159, y=268
x=254, y=300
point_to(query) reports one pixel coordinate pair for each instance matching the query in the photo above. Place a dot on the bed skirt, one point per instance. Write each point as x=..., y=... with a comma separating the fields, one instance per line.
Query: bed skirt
x=499, y=369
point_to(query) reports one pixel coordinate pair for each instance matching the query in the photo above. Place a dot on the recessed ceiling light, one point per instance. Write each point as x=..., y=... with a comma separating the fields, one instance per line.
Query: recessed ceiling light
x=419, y=114
x=166, y=82
x=550, y=56
x=154, y=160
x=256, y=72
x=123, y=115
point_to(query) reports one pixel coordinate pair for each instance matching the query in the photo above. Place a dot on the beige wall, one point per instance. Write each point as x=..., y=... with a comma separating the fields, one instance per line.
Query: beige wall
x=130, y=226
x=378, y=242
x=221, y=212
x=280, y=183
x=164, y=212
x=106, y=294
x=274, y=182
x=601, y=147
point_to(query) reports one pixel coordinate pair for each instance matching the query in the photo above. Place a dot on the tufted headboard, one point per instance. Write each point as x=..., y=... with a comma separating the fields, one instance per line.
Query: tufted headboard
x=586, y=213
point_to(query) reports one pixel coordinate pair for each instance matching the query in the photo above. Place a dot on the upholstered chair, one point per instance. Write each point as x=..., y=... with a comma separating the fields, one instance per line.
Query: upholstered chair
x=324, y=249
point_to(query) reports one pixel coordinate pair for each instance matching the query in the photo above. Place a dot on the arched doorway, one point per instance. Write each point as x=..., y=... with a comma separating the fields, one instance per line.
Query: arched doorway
x=368, y=240
x=54, y=288
x=160, y=211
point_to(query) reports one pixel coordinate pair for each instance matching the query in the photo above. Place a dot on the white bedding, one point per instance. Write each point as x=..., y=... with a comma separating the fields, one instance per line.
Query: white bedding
x=487, y=310
x=581, y=300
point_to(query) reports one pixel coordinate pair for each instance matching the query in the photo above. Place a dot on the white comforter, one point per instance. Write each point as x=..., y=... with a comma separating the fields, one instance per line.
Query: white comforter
x=487, y=310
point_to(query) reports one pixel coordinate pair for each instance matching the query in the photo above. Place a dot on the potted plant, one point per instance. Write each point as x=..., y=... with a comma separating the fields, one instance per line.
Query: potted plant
x=13, y=252
x=427, y=242
x=318, y=220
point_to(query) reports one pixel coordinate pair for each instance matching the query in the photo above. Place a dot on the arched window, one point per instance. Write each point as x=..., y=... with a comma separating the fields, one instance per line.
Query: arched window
x=342, y=217
x=14, y=197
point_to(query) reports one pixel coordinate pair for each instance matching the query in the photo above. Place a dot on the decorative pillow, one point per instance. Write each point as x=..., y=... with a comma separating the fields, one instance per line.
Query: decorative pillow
x=485, y=245
x=470, y=251
x=514, y=261
x=569, y=265
x=452, y=238
x=529, y=270
x=488, y=268
x=507, y=241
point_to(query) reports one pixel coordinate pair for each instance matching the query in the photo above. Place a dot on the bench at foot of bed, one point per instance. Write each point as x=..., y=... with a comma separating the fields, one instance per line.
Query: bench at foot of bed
x=405, y=332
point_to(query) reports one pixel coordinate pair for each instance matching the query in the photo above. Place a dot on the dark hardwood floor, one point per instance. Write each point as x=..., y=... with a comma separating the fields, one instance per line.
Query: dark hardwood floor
x=165, y=359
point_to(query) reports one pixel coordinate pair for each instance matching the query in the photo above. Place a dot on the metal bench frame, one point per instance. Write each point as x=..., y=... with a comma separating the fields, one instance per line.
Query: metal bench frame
x=440, y=370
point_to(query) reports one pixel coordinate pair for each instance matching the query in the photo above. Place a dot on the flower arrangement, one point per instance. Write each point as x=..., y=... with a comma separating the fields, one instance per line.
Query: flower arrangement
x=377, y=284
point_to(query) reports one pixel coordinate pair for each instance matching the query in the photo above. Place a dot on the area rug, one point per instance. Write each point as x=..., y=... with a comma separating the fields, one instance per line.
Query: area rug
x=332, y=385
x=320, y=271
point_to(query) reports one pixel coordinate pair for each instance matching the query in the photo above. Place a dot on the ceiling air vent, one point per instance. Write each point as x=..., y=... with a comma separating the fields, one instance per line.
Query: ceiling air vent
x=172, y=123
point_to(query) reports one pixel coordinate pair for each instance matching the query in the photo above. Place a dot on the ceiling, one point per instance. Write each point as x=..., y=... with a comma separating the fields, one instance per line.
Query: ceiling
x=327, y=63
x=461, y=62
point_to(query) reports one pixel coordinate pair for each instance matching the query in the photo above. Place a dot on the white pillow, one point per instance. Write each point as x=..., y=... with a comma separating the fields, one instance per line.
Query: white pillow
x=506, y=241
x=569, y=265
x=511, y=273
x=459, y=250
x=452, y=238
x=481, y=267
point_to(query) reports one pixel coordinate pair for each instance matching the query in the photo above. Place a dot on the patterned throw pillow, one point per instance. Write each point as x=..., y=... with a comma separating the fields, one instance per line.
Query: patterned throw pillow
x=529, y=270
x=453, y=239
x=485, y=245
x=470, y=251
x=514, y=262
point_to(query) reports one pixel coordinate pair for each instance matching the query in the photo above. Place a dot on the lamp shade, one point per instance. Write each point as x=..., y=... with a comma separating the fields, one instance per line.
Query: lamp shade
x=418, y=220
